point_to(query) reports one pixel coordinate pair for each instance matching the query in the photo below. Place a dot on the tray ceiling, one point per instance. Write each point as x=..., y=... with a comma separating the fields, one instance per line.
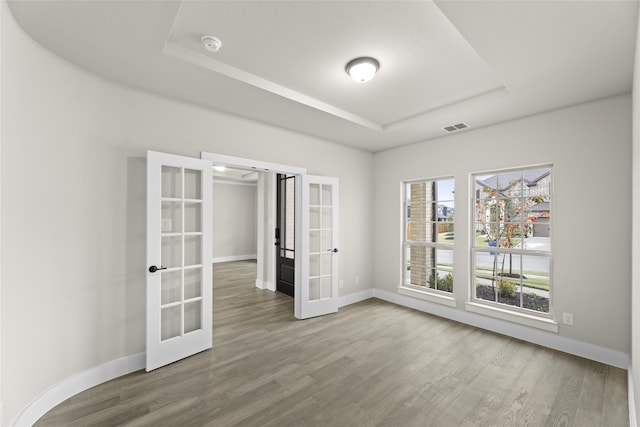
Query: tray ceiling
x=282, y=63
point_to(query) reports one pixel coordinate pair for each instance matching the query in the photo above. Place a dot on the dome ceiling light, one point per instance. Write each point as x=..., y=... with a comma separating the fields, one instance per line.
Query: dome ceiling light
x=362, y=69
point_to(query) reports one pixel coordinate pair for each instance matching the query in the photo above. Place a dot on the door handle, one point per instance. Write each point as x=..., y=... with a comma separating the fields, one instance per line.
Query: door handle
x=334, y=250
x=153, y=268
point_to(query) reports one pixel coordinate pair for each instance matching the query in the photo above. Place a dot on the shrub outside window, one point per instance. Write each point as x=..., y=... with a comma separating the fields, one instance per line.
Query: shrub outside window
x=511, y=242
x=428, y=239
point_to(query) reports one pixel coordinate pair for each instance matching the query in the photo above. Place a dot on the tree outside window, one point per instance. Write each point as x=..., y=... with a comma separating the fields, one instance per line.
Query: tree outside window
x=512, y=242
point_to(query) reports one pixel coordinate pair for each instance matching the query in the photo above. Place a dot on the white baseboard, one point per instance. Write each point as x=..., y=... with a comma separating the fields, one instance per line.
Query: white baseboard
x=546, y=339
x=234, y=258
x=633, y=422
x=264, y=284
x=355, y=297
x=76, y=384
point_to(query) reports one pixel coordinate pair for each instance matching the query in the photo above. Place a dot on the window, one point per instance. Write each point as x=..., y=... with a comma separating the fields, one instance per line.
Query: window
x=428, y=234
x=511, y=243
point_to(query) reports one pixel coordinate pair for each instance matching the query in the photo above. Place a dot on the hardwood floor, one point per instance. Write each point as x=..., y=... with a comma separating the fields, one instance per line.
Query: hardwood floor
x=371, y=364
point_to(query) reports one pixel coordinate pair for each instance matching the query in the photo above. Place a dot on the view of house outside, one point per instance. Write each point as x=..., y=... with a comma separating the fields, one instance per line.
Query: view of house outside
x=512, y=243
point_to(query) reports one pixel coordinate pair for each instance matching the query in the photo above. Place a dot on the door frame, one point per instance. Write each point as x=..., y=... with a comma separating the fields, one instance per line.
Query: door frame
x=273, y=169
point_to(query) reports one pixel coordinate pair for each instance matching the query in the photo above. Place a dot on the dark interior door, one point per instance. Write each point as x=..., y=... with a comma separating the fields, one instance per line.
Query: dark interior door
x=285, y=234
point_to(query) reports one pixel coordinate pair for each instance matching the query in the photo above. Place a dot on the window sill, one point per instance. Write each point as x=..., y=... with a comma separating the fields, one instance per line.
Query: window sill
x=510, y=316
x=428, y=296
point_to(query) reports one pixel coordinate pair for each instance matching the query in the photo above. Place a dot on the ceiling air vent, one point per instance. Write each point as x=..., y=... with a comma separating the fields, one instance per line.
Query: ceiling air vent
x=456, y=127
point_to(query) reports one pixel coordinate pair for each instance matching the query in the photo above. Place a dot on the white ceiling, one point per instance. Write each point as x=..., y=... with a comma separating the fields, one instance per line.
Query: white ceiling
x=235, y=175
x=441, y=63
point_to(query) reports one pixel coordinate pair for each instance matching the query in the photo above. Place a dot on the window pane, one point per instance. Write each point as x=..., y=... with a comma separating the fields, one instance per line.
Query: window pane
x=443, y=280
x=510, y=209
x=536, y=282
x=489, y=181
x=513, y=210
x=538, y=181
x=445, y=189
x=445, y=232
x=518, y=280
x=421, y=263
x=428, y=215
x=510, y=184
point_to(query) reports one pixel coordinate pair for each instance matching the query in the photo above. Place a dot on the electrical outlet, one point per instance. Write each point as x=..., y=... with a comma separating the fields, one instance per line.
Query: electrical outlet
x=567, y=319
x=341, y=284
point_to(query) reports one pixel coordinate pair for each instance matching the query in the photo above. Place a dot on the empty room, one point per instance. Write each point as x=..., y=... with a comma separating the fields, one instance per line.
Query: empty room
x=319, y=213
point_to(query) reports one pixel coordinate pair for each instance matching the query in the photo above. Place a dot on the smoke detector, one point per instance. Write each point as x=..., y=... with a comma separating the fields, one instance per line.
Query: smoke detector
x=212, y=44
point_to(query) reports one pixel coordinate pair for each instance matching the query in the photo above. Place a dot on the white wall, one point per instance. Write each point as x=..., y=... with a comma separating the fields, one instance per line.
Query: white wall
x=73, y=208
x=634, y=384
x=235, y=220
x=589, y=146
x=2, y=11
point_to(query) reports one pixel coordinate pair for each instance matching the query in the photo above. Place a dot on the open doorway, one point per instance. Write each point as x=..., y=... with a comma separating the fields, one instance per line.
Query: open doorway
x=315, y=244
x=266, y=252
x=235, y=215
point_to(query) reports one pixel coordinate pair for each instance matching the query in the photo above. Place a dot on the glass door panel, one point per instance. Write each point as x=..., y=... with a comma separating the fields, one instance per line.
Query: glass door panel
x=320, y=257
x=171, y=287
x=179, y=253
x=193, y=283
x=171, y=182
x=171, y=322
x=192, y=217
x=171, y=251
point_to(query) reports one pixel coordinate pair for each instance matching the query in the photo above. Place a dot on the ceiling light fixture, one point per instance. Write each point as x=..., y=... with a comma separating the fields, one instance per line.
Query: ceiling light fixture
x=212, y=44
x=362, y=69
x=219, y=168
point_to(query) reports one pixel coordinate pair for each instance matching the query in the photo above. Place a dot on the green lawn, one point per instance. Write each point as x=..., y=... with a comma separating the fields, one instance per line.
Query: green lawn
x=481, y=241
x=539, y=281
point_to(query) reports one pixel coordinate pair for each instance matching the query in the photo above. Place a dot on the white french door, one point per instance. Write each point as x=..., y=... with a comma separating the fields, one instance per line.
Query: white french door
x=179, y=246
x=317, y=290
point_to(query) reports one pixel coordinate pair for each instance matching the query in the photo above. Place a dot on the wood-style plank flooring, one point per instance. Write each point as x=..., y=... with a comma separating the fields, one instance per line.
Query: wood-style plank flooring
x=371, y=364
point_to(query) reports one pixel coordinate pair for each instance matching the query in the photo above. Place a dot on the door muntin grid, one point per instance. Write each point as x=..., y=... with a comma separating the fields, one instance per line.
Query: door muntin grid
x=320, y=241
x=181, y=252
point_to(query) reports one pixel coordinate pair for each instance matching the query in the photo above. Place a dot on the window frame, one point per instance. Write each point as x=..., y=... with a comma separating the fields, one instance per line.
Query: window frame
x=424, y=292
x=518, y=314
